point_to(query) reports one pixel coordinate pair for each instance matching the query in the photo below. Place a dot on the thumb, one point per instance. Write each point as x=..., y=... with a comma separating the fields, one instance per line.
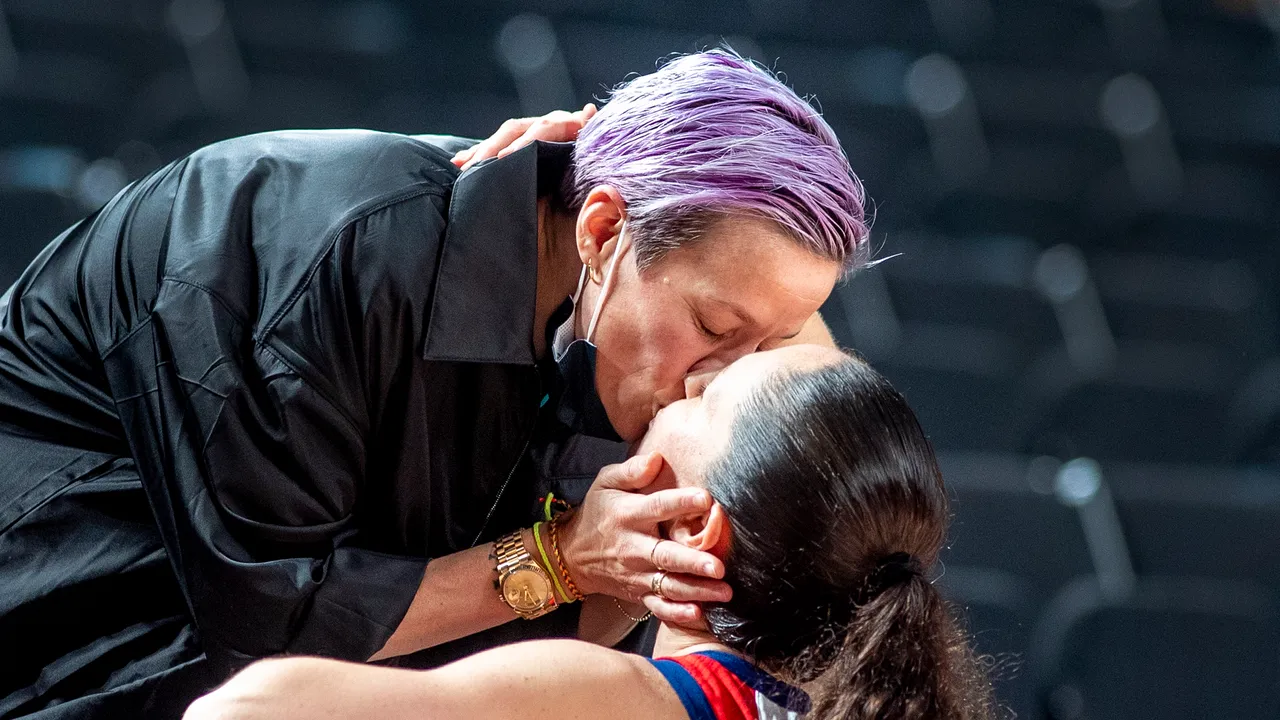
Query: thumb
x=633, y=474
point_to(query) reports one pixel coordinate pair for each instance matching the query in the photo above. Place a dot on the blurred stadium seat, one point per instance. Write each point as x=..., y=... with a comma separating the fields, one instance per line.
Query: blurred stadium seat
x=1172, y=649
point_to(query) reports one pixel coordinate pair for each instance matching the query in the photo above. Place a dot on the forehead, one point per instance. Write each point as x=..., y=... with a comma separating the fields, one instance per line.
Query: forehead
x=753, y=263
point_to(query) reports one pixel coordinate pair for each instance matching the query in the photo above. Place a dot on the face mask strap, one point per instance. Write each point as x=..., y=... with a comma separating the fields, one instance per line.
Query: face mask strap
x=582, y=280
x=609, y=277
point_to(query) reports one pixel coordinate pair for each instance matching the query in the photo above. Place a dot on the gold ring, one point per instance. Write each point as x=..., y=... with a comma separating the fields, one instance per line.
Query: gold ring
x=655, y=583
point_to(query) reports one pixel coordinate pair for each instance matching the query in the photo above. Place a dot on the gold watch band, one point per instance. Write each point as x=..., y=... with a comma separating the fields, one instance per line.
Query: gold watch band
x=515, y=564
x=510, y=550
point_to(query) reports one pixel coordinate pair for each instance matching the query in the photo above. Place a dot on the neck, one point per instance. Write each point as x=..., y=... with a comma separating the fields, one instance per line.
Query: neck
x=558, y=268
x=676, y=640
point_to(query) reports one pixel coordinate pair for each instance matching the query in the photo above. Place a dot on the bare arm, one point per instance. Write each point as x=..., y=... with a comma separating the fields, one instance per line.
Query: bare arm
x=564, y=679
x=455, y=599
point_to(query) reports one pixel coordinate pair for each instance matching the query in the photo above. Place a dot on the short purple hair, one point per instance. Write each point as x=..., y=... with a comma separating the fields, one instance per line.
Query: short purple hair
x=711, y=135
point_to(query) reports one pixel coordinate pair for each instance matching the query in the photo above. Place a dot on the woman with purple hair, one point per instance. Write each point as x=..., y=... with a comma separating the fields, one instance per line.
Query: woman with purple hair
x=319, y=392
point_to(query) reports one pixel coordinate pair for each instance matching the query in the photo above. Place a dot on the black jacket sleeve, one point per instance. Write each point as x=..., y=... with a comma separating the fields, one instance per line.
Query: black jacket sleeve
x=286, y=302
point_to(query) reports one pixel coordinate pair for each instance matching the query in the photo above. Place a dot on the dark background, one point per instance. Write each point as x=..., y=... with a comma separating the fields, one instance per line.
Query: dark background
x=1083, y=192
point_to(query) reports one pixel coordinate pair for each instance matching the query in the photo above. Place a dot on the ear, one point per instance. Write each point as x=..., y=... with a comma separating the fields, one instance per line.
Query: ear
x=599, y=225
x=708, y=532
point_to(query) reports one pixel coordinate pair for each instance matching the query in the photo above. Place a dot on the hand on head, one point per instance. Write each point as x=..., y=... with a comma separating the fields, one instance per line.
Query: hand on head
x=556, y=126
x=613, y=546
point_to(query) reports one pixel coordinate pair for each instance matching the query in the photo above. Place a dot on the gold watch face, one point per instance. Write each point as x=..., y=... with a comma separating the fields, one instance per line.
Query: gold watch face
x=526, y=589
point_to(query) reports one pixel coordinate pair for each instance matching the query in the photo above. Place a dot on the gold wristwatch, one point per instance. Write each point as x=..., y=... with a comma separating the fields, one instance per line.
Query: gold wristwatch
x=523, y=584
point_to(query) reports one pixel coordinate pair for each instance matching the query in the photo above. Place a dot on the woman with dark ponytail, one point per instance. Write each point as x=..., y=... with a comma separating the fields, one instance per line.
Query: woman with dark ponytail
x=829, y=511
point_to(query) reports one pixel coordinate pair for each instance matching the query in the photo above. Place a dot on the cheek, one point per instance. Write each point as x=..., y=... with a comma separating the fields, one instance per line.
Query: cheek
x=673, y=435
x=650, y=346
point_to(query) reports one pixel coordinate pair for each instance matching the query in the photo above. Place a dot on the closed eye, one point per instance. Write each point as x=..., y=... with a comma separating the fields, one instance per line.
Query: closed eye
x=709, y=332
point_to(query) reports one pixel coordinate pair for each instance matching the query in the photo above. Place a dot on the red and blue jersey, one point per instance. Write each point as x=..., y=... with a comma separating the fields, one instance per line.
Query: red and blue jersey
x=720, y=686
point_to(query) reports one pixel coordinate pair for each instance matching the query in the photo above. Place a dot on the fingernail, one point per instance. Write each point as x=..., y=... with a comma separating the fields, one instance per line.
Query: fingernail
x=709, y=568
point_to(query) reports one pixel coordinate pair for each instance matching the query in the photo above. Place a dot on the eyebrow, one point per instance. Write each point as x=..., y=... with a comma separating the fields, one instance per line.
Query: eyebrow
x=745, y=317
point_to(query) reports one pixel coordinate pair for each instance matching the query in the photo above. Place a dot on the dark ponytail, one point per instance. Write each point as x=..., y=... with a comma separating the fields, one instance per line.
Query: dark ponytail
x=838, y=511
x=904, y=657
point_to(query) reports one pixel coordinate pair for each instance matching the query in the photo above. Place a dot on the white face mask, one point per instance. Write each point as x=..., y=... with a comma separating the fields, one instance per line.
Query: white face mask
x=579, y=406
x=564, y=334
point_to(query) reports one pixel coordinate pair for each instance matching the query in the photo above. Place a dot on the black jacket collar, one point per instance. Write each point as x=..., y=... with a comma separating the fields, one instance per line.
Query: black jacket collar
x=486, y=284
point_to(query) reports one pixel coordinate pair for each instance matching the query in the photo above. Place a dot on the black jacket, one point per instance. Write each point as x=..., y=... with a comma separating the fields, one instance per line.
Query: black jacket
x=243, y=404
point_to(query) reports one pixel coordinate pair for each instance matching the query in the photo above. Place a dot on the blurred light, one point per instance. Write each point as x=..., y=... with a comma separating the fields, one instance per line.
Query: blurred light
x=935, y=85
x=937, y=88
x=1078, y=482
x=526, y=43
x=51, y=169
x=1062, y=276
x=1130, y=106
x=100, y=182
x=877, y=75
x=196, y=19
x=1061, y=273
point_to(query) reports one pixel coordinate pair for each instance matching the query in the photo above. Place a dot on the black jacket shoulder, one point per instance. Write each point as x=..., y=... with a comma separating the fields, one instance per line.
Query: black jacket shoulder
x=273, y=205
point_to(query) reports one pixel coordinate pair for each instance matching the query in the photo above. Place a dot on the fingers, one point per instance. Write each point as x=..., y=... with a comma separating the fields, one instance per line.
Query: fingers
x=666, y=505
x=555, y=126
x=463, y=155
x=687, y=588
x=676, y=558
x=558, y=126
x=687, y=615
x=634, y=474
x=506, y=134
